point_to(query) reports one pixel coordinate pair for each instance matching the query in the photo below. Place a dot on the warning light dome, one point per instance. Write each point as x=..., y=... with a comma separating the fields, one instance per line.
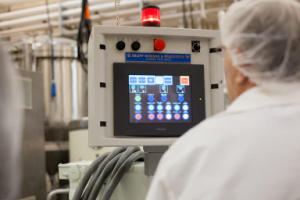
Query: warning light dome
x=151, y=16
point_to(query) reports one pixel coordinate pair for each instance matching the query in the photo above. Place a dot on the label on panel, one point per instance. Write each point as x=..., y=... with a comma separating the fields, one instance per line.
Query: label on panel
x=158, y=57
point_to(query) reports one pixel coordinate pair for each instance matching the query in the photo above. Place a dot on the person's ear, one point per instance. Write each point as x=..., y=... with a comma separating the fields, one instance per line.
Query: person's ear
x=240, y=78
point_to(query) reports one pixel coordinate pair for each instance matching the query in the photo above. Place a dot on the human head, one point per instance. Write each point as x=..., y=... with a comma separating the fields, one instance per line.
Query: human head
x=262, y=40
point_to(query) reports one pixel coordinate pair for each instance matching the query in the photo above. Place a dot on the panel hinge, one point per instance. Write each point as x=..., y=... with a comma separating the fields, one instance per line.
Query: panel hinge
x=102, y=46
x=102, y=123
x=215, y=50
x=215, y=86
x=102, y=85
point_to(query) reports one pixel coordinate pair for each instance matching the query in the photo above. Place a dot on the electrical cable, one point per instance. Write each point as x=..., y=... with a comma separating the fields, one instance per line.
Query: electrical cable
x=184, y=14
x=191, y=14
x=84, y=31
x=100, y=181
x=129, y=151
x=120, y=173
x=82, y=185
x=90, y=186
x=113, y=165
x=51, y=38
x=117, y=5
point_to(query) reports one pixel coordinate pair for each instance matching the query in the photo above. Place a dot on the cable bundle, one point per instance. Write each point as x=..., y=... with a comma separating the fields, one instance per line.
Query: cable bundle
x=111, y=167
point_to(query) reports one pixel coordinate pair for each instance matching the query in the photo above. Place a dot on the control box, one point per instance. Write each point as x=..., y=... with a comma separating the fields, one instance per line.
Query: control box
x=149, y=85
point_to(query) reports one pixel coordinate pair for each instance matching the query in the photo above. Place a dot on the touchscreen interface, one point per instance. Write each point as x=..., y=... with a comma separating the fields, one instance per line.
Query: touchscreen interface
x=160, y=99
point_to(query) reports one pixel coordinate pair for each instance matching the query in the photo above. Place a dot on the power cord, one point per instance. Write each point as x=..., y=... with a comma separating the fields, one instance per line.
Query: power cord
x=110, y=168
x=84, y=32
x=53, y=86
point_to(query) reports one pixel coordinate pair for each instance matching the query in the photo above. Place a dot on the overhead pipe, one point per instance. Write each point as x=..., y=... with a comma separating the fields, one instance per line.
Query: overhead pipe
x=42, y=27
x=66, y=13
x=41, y=9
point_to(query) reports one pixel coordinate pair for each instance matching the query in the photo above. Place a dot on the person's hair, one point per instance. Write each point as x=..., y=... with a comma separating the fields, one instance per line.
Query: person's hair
x=263, y=39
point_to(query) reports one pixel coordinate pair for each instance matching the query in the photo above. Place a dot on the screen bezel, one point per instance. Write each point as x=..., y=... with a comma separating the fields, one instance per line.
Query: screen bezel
x=122, y=126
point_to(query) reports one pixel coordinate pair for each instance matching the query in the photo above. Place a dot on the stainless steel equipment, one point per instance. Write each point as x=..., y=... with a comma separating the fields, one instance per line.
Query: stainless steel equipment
x=65, y=82
x=33, y=152
x=64, y=91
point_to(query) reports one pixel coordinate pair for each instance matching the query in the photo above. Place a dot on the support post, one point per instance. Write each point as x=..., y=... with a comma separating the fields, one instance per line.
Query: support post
x=153, y=155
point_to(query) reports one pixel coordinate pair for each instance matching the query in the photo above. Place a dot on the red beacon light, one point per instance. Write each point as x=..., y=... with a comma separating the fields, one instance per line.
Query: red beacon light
x=151, y=16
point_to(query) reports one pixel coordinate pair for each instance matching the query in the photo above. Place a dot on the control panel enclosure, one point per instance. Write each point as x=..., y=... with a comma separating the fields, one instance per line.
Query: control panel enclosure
x=182, y=54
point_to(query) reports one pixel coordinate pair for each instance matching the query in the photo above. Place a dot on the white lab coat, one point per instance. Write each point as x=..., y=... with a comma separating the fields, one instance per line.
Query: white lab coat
x=249, y=152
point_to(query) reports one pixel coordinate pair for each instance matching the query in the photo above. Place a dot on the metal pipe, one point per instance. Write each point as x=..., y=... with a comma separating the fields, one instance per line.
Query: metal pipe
x=95, y=17
x=105, y=16
x=40, y=9
x=166, y=17
x=19, y=18
x=56, y=192
x=66, y=13
x=60, y=18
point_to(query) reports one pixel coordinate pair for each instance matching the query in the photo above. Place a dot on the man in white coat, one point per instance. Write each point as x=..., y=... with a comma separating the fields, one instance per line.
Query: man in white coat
x=252, y=150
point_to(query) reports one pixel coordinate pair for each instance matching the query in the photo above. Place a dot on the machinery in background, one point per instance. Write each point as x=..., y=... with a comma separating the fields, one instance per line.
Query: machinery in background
x=65, y=84
x=64, y=91
x=33, y=150
x=78, y=142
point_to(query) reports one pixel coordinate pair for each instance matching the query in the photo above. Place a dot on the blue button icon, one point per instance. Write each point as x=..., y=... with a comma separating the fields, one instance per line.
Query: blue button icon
x=150, y=80
x=142, y=89
x=168, y=80
x=132, y=80
x=163, y=89
x=133, y=89
x=151, y=98
x=164, y=98
x=142, y=80
x=151, y=107
x=180, y=89
x=160, y=107
x=138, y=107
x=181, y=98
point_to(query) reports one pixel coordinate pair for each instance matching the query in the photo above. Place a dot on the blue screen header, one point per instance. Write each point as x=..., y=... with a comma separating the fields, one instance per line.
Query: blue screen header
x=158, y=57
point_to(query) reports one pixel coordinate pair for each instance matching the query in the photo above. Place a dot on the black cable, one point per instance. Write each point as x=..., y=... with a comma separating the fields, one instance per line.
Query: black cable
x=82, y=185
x=120, y=173
x=51, y=38
x=84, y=31
x=184, y=14
x=191, y=14
x=91, y=184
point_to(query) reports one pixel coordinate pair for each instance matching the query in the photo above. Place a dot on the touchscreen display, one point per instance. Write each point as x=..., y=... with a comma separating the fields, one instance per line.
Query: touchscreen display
x=159, y=99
